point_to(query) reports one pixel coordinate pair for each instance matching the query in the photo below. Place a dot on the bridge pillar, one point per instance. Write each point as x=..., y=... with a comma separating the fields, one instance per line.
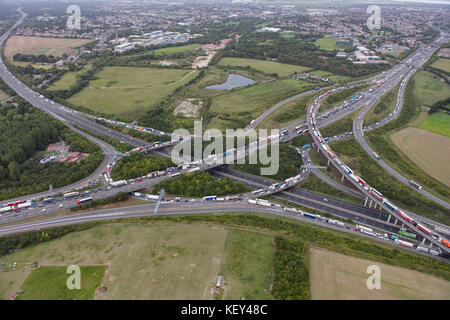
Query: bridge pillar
x=370, y=203
x=342, y=177
x=328, y=162
x=423, y=240
x=365, y=202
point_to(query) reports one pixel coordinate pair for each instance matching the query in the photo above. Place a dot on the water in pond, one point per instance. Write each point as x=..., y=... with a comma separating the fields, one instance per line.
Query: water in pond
x=233, y=81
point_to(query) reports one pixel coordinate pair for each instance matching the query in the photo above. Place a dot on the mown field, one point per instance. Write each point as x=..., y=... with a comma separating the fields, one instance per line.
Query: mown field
x=50, y=283
x=438, y=122
x=41, y=45
x=442, y=64
x=265, y=66
x=341, y=277
x=237, y=108
x=430, y=151
x=327, y=43
x=429, y=88
x=129, y=91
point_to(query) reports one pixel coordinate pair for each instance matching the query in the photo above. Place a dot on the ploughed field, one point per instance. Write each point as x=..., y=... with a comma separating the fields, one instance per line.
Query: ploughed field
x=337, y=276
x=42, y=45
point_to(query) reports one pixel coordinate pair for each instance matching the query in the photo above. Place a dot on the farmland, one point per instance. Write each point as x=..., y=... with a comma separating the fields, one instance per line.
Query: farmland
x=442, y=64
x=430, y=151
x=129, y=91
x=337, y=276
x=429, y=88
x=40, y=45
x=438, y=123
x=146, y=261
x=268, y=67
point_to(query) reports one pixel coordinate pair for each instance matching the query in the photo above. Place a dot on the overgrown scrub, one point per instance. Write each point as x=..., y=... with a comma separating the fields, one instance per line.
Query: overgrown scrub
x=339, y=127
x=200, y=184
x=289, y=164
x=291, y=280
x=138, y=164
x=118, y=197
x=381, y=142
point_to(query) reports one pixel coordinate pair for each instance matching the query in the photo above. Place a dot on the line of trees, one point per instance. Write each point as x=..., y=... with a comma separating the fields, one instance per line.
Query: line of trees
x=138, y=164
x=200, y=184
x=291, y=270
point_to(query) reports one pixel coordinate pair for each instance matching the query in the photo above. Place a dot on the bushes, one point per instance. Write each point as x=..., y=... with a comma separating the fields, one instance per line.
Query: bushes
x=118, y=197
x=291, y=280
x=200, y=184
x=138, y=164
x=289, y=164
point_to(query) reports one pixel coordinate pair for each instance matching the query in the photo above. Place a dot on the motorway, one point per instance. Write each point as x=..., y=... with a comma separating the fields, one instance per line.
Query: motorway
x=181, y=209
x=71, y=117
x=391, y=80
x=358, y=132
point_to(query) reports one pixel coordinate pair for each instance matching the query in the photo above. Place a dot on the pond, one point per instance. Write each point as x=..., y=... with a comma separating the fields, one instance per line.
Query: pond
x=233, y=81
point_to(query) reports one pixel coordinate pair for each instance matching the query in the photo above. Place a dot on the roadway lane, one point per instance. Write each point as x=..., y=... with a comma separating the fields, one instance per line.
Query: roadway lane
x=390, y=81
x=182, y=209
x=359, y=136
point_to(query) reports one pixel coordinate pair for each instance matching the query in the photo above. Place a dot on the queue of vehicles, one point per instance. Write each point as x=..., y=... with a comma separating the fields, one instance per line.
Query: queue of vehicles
x=361, y=182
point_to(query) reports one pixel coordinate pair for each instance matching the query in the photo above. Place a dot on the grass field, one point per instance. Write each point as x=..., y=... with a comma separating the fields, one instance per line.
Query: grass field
x=68, y=79
x=327, y=43
x=438, y=122
x=49, y=283
x=290, y=112
x=3, y=95
x=442, y=64
x=146, y=261
x=430, y=151
x=129, y=91
x=383, y=107
x=247, y=267
x=337, y=276
x=237, y=108
x=429, y=89
x=265, y=66
x=178, y=49
x=40, y=45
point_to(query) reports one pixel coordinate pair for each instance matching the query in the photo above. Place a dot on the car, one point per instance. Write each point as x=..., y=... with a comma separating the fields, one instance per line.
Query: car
x=43, y=210
x=61, y=205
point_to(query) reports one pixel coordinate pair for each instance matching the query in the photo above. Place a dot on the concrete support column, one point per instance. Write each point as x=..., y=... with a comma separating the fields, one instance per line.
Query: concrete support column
x=423, y=240
x=370, y=204
x=342, y=178
x=365, y=202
